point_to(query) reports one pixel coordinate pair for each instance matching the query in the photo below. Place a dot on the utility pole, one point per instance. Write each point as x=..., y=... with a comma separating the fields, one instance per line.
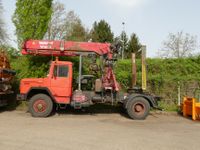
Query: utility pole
x=123, y=39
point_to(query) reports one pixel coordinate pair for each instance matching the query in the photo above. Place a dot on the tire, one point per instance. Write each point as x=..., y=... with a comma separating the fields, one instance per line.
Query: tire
x=40, y=105
x=138, y=108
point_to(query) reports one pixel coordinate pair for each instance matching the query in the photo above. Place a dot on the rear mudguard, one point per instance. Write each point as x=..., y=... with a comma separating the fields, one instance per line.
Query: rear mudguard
x=151, y=99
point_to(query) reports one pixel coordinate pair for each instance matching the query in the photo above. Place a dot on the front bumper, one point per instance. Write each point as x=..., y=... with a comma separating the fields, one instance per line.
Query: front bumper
x=21, y=97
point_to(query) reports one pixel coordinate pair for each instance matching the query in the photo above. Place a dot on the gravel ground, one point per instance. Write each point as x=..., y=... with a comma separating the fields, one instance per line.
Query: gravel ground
x=68, y=131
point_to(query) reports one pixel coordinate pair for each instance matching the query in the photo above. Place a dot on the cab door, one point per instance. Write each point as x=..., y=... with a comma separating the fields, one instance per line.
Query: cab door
x=61, y=83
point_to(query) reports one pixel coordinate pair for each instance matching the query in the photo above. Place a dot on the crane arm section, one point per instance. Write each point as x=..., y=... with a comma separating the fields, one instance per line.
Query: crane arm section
x=64, y=48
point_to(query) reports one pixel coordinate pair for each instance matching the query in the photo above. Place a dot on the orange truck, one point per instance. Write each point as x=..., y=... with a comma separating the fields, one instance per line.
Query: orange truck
x=6, y=75
x=56, y=89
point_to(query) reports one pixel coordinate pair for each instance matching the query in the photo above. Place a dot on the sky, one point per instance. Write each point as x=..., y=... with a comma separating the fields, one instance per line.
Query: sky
x=151, y=20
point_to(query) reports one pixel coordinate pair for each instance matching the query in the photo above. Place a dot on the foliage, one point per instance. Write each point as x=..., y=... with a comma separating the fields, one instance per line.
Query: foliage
x=3, y=34
x=26, y=68
x=124, y=40
x=178, y=45
x=168, y=107
x=130, y=46
x=101, y=32
x=31, y=19
x=10, y=51
x=56, y=25
x=164, y=76
x=78, y=32
x=133, y=46
x=123, y=74
x=71, y=19
x=65, y=25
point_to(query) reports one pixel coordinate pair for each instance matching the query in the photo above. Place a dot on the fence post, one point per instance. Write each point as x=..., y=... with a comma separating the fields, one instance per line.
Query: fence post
x=144, y=69
x=134, y=72
x=179, y=94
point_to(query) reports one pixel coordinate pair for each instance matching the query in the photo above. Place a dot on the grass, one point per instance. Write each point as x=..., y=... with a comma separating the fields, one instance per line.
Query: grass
x=168, y=107
x=22, y=106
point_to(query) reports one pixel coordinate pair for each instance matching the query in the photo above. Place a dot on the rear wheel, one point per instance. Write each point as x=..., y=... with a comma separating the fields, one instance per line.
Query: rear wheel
x=40, y=105
x=138, y=108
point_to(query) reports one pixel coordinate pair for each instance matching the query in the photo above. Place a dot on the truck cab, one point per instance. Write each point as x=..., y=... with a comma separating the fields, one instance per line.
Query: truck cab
x=57, y=84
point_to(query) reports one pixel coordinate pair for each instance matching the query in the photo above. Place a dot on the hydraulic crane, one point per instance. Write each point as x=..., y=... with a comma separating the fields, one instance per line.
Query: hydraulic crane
x=56, y=88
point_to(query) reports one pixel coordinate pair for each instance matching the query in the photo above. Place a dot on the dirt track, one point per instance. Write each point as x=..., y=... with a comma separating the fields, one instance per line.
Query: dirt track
x=19, y=131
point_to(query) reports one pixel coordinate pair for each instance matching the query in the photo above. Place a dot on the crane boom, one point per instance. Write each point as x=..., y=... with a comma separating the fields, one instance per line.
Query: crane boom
x=64, y=48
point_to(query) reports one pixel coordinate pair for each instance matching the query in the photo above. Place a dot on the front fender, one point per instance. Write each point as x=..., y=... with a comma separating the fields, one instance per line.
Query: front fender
x=35, y=90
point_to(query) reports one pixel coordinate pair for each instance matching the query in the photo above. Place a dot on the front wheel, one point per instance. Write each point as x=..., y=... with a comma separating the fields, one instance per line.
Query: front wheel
x=138, y=108
x=40, y=105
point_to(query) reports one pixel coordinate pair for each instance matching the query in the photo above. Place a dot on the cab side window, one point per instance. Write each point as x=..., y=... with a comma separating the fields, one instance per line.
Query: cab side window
x=61, y=71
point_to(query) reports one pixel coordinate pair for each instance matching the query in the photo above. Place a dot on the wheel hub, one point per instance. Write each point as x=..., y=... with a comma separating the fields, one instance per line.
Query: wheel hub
x=40, y=106
x=139, y=108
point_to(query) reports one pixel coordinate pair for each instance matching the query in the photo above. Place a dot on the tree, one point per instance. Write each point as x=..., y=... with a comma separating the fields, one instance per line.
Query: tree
x=56, y=25
x=133, y=46
x=178, y=45
x=31, y=19
x=74, y=30
x=3, y=34
x=101, y=32
x=12, y=52
x=65, y=26
x=78, y=33
x=124, y=41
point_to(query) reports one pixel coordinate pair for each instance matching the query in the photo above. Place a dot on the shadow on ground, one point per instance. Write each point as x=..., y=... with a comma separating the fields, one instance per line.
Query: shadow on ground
x=93, y=110
x=12, y=104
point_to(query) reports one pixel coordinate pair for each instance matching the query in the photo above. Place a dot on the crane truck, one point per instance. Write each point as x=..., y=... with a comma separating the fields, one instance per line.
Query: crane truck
x=56, y=89
x=6, y=75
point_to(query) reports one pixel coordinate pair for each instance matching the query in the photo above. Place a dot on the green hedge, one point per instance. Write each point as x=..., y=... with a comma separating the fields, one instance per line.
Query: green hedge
x=164, y=76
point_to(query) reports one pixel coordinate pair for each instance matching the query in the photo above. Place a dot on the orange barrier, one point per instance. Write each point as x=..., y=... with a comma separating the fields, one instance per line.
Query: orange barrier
x=191, y=108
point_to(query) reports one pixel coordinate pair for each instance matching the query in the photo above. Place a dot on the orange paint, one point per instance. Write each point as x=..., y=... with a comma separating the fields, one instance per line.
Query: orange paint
x=60, y=87
x=191, y=108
